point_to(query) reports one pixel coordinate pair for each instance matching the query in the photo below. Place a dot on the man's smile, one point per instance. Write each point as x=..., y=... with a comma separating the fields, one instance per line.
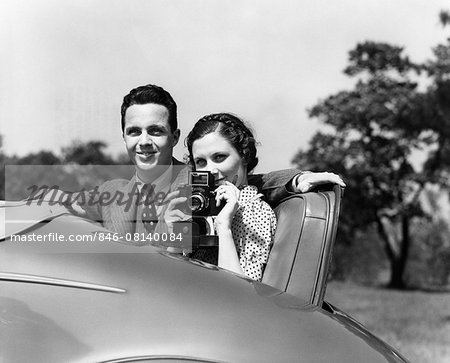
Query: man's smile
x=146, y=154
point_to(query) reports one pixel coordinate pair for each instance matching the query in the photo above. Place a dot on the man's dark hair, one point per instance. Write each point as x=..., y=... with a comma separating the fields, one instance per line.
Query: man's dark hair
x=151, y=94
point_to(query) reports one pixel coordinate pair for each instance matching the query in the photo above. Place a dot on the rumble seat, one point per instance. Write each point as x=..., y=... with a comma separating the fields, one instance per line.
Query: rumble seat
x=301, y=254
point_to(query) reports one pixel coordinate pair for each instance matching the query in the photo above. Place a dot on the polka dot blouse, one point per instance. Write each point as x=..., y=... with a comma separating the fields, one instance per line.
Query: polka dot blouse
x=253, y=230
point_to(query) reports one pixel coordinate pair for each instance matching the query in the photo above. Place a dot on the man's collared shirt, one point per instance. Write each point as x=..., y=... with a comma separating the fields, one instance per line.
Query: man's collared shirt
x=161, y=187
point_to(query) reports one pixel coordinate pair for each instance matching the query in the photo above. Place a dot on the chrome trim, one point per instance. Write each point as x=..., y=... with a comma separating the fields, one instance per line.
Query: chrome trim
x=35, y=279
x=169, y=358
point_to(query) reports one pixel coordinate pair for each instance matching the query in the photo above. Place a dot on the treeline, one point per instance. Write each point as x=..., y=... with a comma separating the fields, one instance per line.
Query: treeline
x=78, y=153
x=81, y=153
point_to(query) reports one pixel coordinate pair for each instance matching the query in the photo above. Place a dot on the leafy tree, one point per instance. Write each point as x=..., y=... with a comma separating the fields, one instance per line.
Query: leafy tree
x=376, y=128
x=91, y=152
x=436, y=105
x=38, y=158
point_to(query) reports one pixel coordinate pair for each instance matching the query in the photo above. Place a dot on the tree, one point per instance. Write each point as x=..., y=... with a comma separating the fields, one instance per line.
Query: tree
x=38, y=158
x=436, y=103
x=376, y=128
x=87, y=153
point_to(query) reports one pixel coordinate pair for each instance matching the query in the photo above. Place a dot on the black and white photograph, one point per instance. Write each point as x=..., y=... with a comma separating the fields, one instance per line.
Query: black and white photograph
x=225, y=181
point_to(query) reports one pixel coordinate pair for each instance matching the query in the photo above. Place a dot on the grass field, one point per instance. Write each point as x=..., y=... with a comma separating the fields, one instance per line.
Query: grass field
x=416, y=323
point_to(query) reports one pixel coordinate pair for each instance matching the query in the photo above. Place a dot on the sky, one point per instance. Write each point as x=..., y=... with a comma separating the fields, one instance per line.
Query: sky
x=65, y=65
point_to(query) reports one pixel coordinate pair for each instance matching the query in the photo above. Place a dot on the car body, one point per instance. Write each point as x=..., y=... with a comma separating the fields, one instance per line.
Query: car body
x=100, y=301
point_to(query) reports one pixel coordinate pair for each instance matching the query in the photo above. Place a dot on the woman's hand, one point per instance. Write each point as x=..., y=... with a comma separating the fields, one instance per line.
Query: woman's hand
x=228, y=256
x=228, y=193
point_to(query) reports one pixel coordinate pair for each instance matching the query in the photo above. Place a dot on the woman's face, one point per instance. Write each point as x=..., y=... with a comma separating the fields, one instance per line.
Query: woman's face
x=215, y=154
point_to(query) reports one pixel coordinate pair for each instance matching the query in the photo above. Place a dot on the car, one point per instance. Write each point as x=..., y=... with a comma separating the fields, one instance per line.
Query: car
x=96, y=300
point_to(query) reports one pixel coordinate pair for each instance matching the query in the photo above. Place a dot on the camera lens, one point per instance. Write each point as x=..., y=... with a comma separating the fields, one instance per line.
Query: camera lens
x=196, y=203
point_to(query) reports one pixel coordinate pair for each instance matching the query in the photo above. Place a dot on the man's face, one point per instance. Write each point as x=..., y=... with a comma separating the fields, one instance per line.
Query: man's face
x=148, y=138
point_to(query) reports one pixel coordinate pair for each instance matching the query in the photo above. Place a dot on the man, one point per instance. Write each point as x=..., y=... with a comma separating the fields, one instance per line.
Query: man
x=150, y=132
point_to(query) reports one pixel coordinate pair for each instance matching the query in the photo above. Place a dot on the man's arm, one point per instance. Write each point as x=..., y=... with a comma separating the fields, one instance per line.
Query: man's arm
x=72, y=202
x=280, y=184
x=275, y=185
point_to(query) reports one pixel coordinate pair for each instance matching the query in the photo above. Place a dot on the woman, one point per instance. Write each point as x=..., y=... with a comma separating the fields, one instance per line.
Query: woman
x=222, y=144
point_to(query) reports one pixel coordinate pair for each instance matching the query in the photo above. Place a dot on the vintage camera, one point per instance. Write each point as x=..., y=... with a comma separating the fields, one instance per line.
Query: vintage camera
x=201, y=205
x=200, y=194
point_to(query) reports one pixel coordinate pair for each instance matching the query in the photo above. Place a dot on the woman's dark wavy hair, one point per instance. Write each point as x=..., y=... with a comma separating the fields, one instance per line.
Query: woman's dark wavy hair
x=230, y=127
